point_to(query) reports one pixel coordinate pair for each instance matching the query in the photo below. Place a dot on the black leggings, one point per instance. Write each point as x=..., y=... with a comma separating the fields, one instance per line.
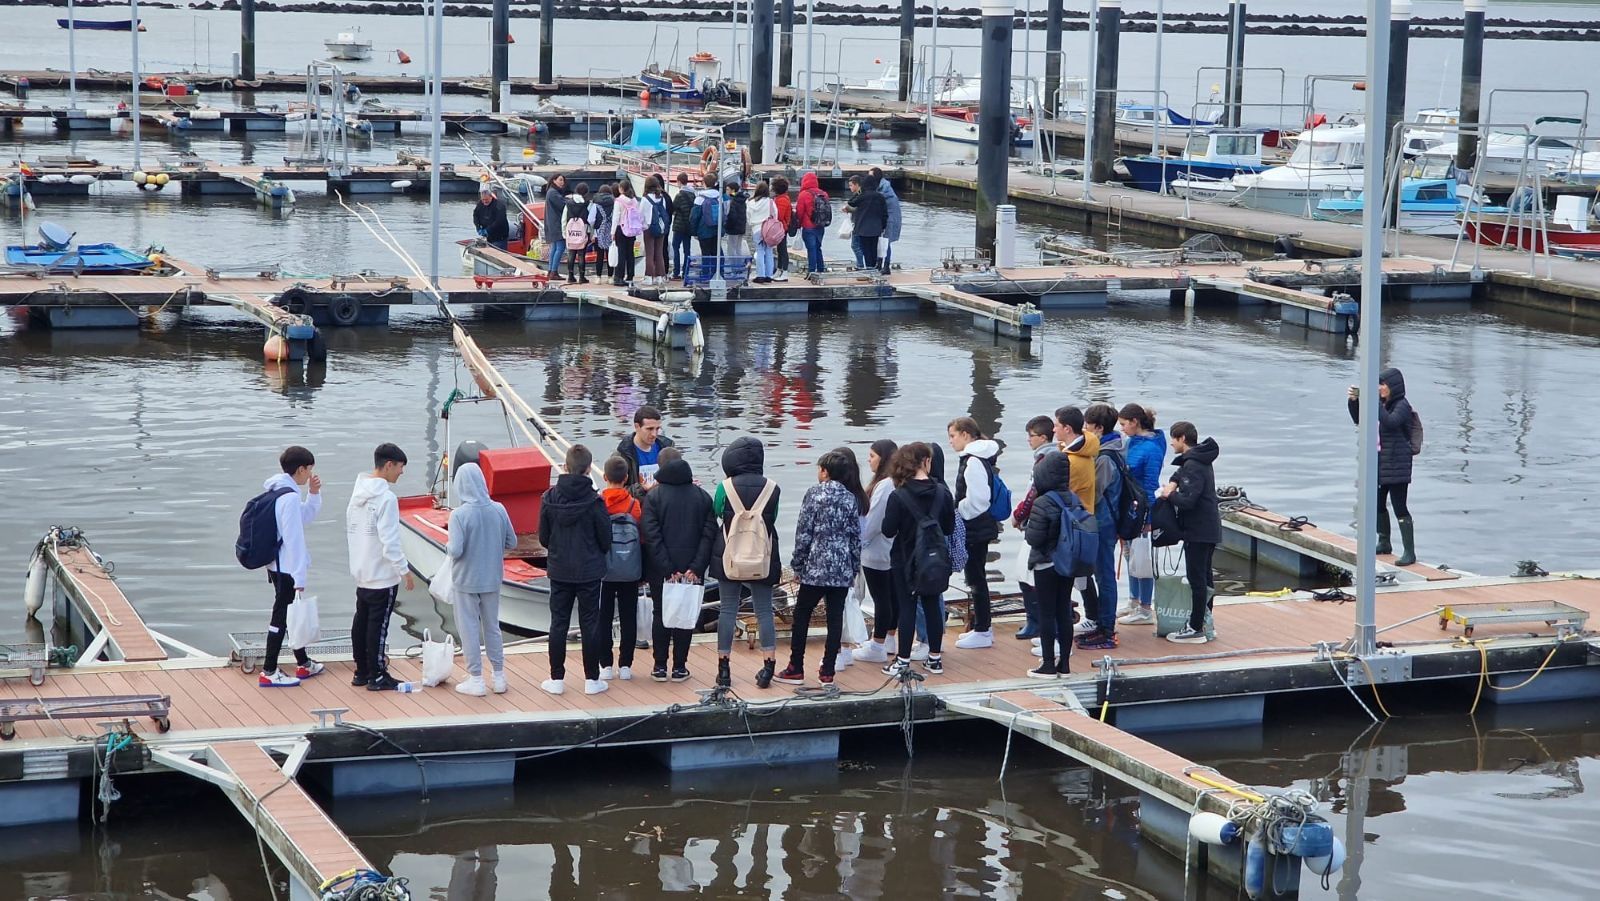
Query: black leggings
x=885, y=614
x=1055, y=619
x=1197, y=569
x=908, y=605
x=619, y=598
x=1396, y=495
x=977, y=572
x=806, y=601
x=624, y=268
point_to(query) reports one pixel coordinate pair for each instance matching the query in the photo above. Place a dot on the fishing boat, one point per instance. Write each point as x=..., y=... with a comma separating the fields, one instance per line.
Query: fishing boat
x=1328, y=161
x=960, y=125
x=699, y=85
x=55, y=253
x=349, y=45
x=1571, y=230
x=99, y=24
x=1219, y=154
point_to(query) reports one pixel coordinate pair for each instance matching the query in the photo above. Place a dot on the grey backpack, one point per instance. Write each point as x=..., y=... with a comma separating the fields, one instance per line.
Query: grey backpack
x=625, y=561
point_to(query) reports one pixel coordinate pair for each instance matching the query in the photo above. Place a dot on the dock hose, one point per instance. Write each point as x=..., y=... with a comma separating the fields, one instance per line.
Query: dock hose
x=365, y=885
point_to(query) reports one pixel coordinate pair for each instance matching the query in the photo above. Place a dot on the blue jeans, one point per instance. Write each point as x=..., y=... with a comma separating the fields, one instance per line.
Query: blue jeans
x=558, y=249
x=922, y=623
x=812, y=238
x=763, y=260
x=1105, y=577
x=681, y=241
x=855, y=248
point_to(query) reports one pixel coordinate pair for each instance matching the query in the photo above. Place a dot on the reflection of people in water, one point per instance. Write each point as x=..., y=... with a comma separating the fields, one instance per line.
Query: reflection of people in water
x=472, y=876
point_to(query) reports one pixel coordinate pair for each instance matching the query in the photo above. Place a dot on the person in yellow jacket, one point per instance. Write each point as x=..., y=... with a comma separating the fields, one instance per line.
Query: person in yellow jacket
x=1081, y=450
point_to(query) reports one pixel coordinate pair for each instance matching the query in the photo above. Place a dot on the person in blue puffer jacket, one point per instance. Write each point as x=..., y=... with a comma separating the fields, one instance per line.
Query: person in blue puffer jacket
x=1146, y=452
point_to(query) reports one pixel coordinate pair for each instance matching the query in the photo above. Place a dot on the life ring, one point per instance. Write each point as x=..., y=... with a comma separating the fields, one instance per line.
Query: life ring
x=344, y=309
x=703, y=56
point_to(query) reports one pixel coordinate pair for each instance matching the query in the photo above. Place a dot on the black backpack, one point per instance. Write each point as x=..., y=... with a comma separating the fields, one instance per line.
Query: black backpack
x=624, y=562
x=1133, y=505
x=1165, y=529
x=734, y=223
x=821, y=210
x=930, y=566
x=258, y=540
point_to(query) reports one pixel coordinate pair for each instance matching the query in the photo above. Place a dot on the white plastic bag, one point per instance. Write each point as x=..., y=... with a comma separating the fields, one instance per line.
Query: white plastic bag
x=847, y=228
x=1020, y=570
x=1141, y=562
x=680, y=604
x=643, y=614
x=304, y=625
x=855, y=622
x=438, y=658
x=614, y=255
x=443, y=584
x=858, y=590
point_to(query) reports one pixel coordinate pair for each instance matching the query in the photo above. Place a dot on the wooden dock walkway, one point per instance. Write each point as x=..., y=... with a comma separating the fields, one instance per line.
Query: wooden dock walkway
x=124, y=636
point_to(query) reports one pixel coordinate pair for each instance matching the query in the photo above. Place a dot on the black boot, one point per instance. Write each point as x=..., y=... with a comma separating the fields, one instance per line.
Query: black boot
x=1384, y=547
x=724, y=675
x=764, y=675
x=1408, y=543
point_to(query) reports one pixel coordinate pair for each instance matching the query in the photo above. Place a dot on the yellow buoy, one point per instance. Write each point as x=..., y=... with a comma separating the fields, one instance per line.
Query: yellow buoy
x=162, y=178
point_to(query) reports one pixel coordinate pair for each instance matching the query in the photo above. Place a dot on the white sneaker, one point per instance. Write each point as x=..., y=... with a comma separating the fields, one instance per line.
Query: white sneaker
x=554, y=686
x=625, y=673
x=607, y=674
x=1038, y=652
x=919, y=651
x=781, y=277
x=277, y=679
x=890, y=643
x=1126, y=609
x=976, y=640
x=1085, y=626
x=473, y=685
x=844, y=658
x=1036, y=642
x=594, y=686
x=1144, y=616
x=1187, y=635
x=870, y=652
x=500, y=686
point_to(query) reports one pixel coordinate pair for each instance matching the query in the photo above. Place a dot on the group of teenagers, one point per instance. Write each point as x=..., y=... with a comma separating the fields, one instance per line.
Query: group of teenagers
x=720, y=220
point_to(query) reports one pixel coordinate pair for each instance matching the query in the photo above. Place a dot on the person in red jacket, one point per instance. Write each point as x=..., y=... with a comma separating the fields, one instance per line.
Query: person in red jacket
x=816, y=213
x=785, y=211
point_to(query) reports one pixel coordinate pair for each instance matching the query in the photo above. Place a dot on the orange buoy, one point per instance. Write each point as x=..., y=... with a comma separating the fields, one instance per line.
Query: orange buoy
x=644, y=96
x=403, y=56
x=276, y=350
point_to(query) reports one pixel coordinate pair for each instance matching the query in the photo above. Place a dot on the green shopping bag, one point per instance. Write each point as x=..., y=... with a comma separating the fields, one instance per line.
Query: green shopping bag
x=1173, y=598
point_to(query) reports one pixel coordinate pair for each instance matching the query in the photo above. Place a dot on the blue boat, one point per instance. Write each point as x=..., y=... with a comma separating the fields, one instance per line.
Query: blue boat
x=644, y=138
x=700, y=85
x=1214, y=155
x=89, y=259
x=98, y=24
x=1428, y=206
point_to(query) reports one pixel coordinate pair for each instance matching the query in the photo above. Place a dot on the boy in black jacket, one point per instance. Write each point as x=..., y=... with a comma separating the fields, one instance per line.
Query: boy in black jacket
x=1193, y=490
x=576, y=534
x=679, y=529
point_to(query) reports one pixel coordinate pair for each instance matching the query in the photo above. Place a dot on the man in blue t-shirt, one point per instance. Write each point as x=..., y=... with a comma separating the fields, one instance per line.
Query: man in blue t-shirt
x=642, y=450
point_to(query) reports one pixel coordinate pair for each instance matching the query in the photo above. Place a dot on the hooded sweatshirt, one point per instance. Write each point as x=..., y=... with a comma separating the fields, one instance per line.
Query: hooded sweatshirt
x=1196, y=495
x=1053, y=473
x=678, y=528
x=1394, y=430
x=1081, y=455
x=575, y=530
x=891, y=202
x=871, y=211
x=1108, y=478
x=974, y=490
x=372, y=530
x=757, y=211
x=621, y=500
x=874, y=544
x=682, y=206
x=602, y=214
x=294, y=512
x=480, y=534
x=743, y=463
x=810, y=191
x=827, y=540
x=1146, y=454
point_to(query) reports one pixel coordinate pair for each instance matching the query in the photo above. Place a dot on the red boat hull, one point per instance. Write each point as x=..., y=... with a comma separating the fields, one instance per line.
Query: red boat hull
x=1525, y=237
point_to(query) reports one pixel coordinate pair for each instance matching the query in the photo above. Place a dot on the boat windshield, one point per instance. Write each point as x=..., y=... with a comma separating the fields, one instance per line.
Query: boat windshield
x=1326, y=153
x=1199, y=146
x=1238, y=145
x=1433, y=165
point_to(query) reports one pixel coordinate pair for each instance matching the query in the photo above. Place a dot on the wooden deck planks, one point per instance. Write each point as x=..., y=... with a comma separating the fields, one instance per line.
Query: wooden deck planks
x=109, y=605
x=272, y=796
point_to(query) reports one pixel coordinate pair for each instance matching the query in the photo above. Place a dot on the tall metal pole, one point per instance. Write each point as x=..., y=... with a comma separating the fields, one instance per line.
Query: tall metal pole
x=1395, y=100
x=1105, y=99
x=547, y=41
x=247, y=40
x=908, y=46
x=1366, y=627
x=138, y=121
x=1088, y=113
x=786, y=44
x=72, y=55
x=436, y=122
x=500, y=74
x=811, y=16
x=1160, y=99
x=760, y=75
x=1471, y=80
x=1236, y=65
x=1053, y=59
x=994, y=117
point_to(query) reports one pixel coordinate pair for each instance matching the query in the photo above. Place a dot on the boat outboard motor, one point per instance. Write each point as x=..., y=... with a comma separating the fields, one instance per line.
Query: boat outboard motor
x=466, y=452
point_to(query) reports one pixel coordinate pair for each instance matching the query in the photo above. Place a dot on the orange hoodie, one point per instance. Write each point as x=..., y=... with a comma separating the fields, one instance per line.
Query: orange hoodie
x=618, y=500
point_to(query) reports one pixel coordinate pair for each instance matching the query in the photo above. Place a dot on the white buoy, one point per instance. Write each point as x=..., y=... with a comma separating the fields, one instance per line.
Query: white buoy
x=139, y=178
x=33, y=593
x=1327, y=864
x=54, y=178
x=81, y=179
x=400, y=185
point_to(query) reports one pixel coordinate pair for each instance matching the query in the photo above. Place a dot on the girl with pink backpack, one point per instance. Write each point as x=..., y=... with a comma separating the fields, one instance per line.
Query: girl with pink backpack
x=577, y=230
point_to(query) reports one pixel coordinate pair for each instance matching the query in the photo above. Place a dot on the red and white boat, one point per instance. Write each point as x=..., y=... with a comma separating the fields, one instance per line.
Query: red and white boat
x=1558, y=234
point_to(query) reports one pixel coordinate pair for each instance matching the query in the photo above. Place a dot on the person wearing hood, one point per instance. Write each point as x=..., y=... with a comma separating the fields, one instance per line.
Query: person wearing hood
x=735, y=220
x=815, y=212
x=480, y=534
x=555, y=209
x=1052, y=479
x=783, y=206
x=679, y=530
x=1394, y=461
x=916, y=495
x=871, y=212
x=744, y=464
x=975, y=475
x=1040, y=430
x=602, y=219
x=489, y=218
x=1081, y=451
x=642, y=450
x=827, y=556
x=892, y=212
x=758, y=211
x=620, y=595
x=378, y=563
x=1192, y=489
x=576, y=534
x=875, y=567
x=1100, y=424
x=581, y=210
x=287, y=574
x=682, y=232
x=1147, y=451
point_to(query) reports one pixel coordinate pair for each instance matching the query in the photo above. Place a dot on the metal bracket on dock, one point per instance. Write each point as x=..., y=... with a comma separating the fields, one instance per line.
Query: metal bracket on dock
x=1379, y=669
x=323, y=713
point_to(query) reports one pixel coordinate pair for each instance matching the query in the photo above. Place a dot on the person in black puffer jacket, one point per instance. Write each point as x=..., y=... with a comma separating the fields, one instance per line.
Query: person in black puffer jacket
x=576, y=534
x=678, y=530
x=1394, y=460
x=682, y=234
x=1193, y=490
x=743, y=463
x=1052, y=476
x=827, y=556
x=916, y=494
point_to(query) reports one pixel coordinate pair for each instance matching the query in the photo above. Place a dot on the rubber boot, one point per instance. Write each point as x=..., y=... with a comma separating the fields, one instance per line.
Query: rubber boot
x=724, y=674
x=1384, y=547
x=1408, y=542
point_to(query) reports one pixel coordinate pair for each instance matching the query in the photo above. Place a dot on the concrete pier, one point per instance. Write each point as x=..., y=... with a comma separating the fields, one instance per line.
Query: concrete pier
x=1105, y=92
x=994, y=119
x=1471, y=81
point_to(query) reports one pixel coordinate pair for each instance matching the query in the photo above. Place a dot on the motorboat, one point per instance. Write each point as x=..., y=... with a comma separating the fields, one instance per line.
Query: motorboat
x=1582, y=169
x=642, y=138
x=55, y=253
x=1505, y=153
x=1571, y=230
x=1146, y=117
x=1431, y=198
x=701, y=84
x=1437, y=127
x=1328, y=161
x=1219, y=154
x=960, y=124
x=349, y=45
x=884, y=87
x=77, y=24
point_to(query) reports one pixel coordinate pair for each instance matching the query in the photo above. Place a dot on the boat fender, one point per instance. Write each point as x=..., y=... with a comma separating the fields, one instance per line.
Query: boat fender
x=1255, y=868
x=1327, y=864
x=139, y=178
x=401, y=184
x=151, y=186
x=663, y=326
x=161, y=179
x=1314, y=839
x=1283, y=246
x=83, y=179
x=317, y=348
x=1213, y=829
x=33, y=593
x=344, y=309
x=54, y=178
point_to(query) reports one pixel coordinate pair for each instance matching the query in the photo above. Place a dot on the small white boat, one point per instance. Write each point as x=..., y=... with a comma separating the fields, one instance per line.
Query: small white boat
x=1328, y=161
x=960, y=125
x=349, y=45
x=884, y=87
x=1503, y=153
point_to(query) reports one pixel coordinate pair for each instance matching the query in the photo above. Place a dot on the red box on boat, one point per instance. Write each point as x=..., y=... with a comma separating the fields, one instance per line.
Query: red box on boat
x=517, y=477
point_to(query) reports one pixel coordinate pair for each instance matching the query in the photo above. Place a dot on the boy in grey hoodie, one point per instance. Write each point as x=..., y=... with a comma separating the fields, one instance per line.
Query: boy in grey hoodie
x=480, y=534
x=378, y=563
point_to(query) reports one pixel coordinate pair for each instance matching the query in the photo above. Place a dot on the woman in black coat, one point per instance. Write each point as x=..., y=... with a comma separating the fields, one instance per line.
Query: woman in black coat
x=678, y=529
x=1042, y=531
x=870, y=217
x=916, y=495
x=744, y=463
x=1394, y=460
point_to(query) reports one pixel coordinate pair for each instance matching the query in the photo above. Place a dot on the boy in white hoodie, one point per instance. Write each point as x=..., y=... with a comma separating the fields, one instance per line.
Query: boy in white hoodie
x=372, y=528
x=974, y=490
x=288, y=572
